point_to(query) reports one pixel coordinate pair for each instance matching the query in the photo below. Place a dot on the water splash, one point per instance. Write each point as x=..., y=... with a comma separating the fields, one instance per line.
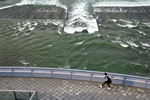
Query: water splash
x=42, y=2
x=29, y=25
x=37, y=2
x=80, y=19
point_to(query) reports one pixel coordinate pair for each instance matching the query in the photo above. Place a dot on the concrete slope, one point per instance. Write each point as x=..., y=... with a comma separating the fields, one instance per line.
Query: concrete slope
x=116, y=12
x=33, y=12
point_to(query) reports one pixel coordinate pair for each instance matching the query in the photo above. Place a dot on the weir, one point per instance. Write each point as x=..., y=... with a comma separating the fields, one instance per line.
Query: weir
x=122, y=12
x=78, y=19
x=33, y=12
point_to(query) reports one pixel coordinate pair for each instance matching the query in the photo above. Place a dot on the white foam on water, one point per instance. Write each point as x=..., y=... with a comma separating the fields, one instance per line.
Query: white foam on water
x=31, y=25
x=24, y=62
x=145, y=44
x=42, y=2
x=79, y=19
x=141, y=32
x=132, y=44
x=121, y=43
x=99, y=35
x=26, y=25
x=79, y=43
x=85, y=54
x=126, y=21
x=119, y=3
x=135, y=63
x=114, y=20
x=147, y=24
x=54, y=22
x=19, y=27
x=127, y=25
x=36, y=2
x=27, y=34
x=121, y=25
x=50, y=45
x=58, y=23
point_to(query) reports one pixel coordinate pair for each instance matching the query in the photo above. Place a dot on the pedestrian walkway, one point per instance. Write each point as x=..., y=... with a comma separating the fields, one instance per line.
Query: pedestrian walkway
x=61, y=89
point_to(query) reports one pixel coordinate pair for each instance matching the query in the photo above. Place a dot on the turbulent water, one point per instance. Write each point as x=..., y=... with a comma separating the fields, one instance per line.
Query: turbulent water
x=80, y=19
x=121, y=46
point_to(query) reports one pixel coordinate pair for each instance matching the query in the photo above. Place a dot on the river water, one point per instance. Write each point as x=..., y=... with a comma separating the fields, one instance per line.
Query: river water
x=121, y=46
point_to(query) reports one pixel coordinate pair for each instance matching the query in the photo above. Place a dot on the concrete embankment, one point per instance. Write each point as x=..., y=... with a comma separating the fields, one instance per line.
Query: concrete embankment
x=33, y=12
x=122, y=12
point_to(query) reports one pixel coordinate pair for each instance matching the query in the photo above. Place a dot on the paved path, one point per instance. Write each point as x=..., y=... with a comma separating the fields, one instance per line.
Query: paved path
x=60, y=89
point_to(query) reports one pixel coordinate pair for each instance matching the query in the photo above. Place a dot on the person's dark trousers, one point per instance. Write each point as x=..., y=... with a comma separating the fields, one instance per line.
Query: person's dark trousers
x=106, y=82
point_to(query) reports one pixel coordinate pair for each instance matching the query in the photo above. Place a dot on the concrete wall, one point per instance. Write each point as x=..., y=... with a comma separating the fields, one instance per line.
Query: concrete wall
x=122, y=12
x=33, y=12
x=94, y=76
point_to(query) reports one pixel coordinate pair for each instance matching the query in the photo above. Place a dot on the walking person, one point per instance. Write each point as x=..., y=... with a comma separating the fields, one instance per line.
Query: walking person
x=107, y=81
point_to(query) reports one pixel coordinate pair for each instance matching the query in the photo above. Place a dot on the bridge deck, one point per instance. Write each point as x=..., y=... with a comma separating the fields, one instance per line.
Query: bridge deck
x=61, y=89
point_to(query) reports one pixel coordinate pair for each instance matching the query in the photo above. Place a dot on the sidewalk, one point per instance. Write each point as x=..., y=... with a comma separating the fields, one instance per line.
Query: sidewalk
x=61, y=89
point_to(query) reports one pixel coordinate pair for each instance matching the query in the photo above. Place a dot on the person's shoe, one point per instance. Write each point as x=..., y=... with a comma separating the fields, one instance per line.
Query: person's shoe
x=108, y=88
x=100, y=86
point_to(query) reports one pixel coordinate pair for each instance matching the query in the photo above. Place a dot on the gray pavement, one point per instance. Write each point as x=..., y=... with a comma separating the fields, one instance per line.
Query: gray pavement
x=61, y=89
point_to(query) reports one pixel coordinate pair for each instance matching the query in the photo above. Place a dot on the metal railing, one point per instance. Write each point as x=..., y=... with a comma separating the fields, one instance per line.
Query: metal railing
x=18, y=95
x=95, y=76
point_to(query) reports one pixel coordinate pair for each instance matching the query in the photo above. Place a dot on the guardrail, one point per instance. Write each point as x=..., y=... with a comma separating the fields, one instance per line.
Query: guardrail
x=74, y=74
x=18, y=95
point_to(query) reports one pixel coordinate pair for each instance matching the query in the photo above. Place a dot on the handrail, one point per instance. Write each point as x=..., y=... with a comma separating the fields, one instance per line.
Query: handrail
x=24, y=91
x=17, y=91
x=78, y=70
x=123, y=79
x=33, y=94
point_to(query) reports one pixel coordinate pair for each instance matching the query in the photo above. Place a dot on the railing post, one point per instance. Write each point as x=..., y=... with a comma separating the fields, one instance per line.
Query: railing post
x=30, y=95
x=71, y=74
x=112, y=76
x=91, y=76
x=15, y=95
x=146, y=83
x=12, y=70
x=32, y=72
x=124, y=81
x=52, y=73
x=36, y=96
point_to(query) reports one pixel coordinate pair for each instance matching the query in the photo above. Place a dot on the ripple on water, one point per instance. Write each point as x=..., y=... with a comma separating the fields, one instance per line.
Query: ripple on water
x=145, y=44
x=147, y=24
x=141, y=32
x=132, y=43
x=121, y=43
x=79, y=43
x=24, y=62
x=127, y=25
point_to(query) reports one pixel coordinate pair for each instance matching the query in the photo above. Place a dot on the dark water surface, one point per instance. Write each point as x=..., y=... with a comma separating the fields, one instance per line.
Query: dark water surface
x=121, y=46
